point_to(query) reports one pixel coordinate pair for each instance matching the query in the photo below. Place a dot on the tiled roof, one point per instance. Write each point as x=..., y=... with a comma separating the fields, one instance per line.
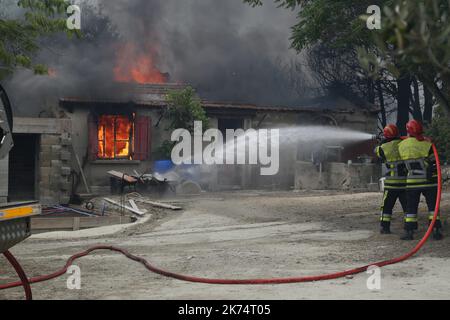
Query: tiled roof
x=153, y=96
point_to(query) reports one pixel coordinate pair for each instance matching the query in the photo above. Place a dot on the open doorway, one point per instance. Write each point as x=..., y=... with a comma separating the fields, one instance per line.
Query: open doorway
x=22, y=168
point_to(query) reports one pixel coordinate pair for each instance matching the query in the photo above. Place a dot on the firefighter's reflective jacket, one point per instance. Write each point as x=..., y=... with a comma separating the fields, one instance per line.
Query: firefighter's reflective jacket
x=419, y=160
x=395, y=168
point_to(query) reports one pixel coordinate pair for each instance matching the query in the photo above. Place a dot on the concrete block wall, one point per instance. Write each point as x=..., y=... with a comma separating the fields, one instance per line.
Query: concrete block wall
x=54, y=169
x=362, y=175
x=308, y=177
x=54, y=159
x=336, y=176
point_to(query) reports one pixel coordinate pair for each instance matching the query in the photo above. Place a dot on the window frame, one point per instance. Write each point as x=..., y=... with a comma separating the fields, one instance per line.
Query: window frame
x=131, y=140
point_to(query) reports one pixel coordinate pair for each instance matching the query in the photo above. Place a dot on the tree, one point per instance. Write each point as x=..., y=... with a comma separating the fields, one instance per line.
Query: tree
x=439, y=131
x=414, y=34
x=332, y=31
x=332, y=22
x=183, y=108
x=19, y=37
x=415, y=39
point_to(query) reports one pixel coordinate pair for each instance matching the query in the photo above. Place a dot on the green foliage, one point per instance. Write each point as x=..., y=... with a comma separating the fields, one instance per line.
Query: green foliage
x=440, y=133
x=19, y=38
x=184, y=107
x=416, y=34
x=335, y=23
x=415, y=40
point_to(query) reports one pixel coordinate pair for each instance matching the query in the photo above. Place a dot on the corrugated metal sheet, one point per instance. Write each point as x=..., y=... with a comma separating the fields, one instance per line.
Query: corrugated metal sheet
x=13, y=232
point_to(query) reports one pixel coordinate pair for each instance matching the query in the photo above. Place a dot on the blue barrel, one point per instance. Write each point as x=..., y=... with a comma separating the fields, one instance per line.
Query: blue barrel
x=163, y=166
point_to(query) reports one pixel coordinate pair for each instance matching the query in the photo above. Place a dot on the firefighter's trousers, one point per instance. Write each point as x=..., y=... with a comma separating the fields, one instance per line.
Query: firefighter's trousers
x=413, y=200
x=389, y=199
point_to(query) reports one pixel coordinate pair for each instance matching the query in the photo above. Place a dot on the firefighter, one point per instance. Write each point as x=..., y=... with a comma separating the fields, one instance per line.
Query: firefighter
x=395, y=177
x=417, y=153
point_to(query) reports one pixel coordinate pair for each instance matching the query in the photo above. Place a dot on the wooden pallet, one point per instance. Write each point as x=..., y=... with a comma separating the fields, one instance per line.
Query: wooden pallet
x=75, y=223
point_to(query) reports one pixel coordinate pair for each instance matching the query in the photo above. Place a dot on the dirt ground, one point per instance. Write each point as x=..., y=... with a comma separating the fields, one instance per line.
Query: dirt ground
x=247, y=235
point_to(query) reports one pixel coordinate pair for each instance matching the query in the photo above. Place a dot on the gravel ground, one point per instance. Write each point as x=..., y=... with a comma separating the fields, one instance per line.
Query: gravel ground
x=246, y=235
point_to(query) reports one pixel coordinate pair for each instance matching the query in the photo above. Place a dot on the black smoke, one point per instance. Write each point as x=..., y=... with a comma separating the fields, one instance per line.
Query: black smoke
x=227, y=50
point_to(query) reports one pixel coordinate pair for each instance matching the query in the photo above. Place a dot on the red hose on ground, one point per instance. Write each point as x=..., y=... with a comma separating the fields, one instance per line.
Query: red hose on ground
x=21, y=273
x=329, y=276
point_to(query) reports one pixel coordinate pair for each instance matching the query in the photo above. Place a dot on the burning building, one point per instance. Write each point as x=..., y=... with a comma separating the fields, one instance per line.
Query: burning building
x=124, y=129
x=116, y=120
x=124, y=135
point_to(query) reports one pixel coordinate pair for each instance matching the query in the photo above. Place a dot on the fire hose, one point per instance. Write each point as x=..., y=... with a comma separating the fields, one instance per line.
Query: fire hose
x=26, y=282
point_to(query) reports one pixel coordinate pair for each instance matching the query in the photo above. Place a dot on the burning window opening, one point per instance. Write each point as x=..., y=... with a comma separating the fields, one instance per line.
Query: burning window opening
x=115, y=137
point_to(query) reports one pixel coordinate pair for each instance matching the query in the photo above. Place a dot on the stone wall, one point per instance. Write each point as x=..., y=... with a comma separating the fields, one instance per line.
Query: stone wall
x=54, y=159
x=54, y=168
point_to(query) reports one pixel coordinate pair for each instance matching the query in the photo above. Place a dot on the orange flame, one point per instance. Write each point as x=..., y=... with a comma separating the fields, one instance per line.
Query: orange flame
x=135, y=66
x=115, y=137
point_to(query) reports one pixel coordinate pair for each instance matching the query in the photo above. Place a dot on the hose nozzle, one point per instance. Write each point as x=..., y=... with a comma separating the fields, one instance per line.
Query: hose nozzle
x=377, y=137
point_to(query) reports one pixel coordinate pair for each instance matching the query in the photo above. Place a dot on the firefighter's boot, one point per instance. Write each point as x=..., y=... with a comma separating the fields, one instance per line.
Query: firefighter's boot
x=437, y=234
x=385, y=229
x=409, y=235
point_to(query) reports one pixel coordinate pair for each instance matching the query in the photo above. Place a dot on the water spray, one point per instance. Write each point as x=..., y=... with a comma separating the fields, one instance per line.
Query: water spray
x=310, y=133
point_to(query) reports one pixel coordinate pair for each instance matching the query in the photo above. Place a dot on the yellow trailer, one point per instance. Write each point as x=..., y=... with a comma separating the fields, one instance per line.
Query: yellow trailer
x=14, y=217
x=15, y=222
